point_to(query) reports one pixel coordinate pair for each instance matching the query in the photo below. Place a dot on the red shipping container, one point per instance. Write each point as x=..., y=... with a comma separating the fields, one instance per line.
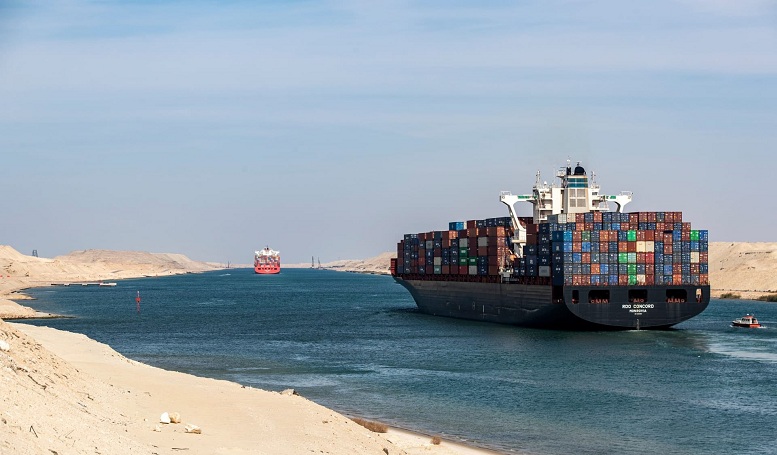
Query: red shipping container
x=594, y=268
x=577, y=247
x=482, y=251
x=704, y=257
x=422, y=260
x=586, y=258
x=446, y=243
x=650, y=235
x=623, y=280
x=631, y=247
x=667, y=248
x=604, y=247
x=641, y=258
x=472, y=224
x=446, y=270
x=598, y=217
x=634, y=217
x=623, y=247
x=685, y=236
x=577, y=236
x=704, y=279
x=588, y=226
x=579, y=218
x=650, y=258
x=641, y=236
x=493, y=270
x=650, y=280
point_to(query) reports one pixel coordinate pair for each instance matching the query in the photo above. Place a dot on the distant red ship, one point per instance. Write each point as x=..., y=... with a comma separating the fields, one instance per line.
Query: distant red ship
x=267, y=261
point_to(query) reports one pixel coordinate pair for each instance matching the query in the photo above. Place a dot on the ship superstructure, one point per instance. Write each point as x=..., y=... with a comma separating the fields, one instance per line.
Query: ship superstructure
x=574, y=263
x=267, y=261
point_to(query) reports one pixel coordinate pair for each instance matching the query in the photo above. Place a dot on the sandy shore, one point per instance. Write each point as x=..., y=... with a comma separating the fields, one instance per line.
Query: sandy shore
x=63, y=393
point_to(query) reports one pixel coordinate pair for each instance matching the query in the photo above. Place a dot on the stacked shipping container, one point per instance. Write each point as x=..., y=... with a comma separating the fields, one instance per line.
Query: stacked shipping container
x=477, y=247
x=584, y=249
x=626, y=249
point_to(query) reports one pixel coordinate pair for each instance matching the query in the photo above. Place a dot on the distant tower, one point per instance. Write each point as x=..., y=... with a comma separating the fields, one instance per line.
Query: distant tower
x=35, y=253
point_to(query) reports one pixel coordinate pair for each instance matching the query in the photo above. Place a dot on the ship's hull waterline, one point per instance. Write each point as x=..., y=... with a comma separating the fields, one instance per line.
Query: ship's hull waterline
x=560, y=308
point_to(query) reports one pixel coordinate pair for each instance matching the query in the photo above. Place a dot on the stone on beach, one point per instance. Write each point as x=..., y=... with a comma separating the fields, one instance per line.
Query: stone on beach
x=175, y=417
x=164, y=418
x=191, y=428
x=4, y=346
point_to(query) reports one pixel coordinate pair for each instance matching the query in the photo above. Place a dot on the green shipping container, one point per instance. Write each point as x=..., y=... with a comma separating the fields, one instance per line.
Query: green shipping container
x=695, y=236
x=463, y=252
x=632, y=269
x=463, y=261
x=632, y=236
x=473, y=261
x=623, y=258
x=632, y=279
x=437, y=269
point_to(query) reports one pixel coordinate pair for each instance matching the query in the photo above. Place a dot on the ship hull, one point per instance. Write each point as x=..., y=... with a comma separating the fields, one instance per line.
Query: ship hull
x=267, y=269
x=559, y=307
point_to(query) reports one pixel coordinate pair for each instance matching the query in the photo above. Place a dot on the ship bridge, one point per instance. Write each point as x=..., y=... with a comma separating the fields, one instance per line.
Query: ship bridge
x=574, y=193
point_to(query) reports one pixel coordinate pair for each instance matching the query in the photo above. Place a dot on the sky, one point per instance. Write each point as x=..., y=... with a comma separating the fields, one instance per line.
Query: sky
x=329, y=129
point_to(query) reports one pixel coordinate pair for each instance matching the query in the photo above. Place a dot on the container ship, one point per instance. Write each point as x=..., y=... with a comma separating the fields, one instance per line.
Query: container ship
x=575, y=264
x=267, y=261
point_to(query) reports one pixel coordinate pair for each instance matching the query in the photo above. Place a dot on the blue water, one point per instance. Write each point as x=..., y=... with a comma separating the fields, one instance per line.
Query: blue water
x=355, y=343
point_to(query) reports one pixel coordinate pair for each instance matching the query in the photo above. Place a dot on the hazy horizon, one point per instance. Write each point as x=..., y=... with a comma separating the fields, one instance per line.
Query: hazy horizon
x=332, y=128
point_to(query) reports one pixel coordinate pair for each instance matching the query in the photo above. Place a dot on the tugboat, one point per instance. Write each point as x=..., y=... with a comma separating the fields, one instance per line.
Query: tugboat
x=747, y=321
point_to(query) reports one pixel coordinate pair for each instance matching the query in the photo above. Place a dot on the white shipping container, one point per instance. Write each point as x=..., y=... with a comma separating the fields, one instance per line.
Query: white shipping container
x=437, y=261
x=473, y=270
x=694, y=257
x=464, y=242
x=429, y=244
x=482, y=241
x=545, y=270
x=641, y=246
x=650, y=246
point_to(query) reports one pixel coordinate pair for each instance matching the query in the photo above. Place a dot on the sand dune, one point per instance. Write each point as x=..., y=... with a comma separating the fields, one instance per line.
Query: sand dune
x=747, y=269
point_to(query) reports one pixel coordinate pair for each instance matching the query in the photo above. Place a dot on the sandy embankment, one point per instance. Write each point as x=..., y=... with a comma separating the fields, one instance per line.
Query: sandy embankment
x=64, y=393
x=747, y=269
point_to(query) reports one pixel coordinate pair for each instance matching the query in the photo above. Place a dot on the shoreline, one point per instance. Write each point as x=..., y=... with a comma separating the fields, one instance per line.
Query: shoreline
x=99, y=361
x=405, y=440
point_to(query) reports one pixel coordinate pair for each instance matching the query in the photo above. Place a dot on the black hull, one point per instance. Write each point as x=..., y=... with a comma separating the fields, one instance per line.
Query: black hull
x=559, y=307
